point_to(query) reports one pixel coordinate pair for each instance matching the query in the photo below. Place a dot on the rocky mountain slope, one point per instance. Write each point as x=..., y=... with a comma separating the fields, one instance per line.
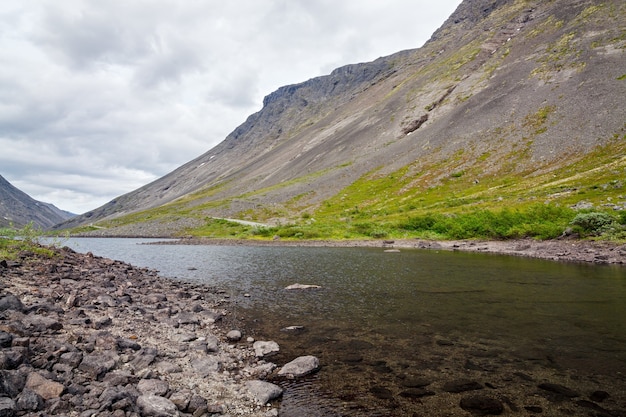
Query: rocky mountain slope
x=18, y=209
x=510, y=100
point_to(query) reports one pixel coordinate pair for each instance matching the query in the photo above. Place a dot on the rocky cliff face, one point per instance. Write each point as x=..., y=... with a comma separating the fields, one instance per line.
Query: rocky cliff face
x=19, y=209
x=504, y=86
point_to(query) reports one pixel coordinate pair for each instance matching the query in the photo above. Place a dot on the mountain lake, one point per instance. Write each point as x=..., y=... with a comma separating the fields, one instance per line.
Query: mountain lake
x=391, y=329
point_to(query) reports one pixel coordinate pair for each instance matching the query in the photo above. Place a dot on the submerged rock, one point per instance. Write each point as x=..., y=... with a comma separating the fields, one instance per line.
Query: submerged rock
x=482, y=405
x=299, y=367
x=265, y=348
x=297, y=286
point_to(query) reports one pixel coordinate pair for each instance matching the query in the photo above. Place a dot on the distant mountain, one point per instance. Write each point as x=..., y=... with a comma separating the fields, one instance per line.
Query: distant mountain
x=18, y=209
x=509, y=102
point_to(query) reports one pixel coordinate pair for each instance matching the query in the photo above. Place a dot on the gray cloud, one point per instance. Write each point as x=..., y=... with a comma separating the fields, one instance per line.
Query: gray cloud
x=100, y=98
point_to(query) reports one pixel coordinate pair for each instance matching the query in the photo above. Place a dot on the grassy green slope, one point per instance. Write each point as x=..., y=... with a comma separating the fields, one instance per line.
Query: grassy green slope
x=438, y=201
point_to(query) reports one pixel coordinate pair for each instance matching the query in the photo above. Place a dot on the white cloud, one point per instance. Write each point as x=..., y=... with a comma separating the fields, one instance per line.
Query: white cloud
x=99, y=98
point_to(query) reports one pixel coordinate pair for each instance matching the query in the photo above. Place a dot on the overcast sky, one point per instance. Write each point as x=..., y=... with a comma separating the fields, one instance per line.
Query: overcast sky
x=98, y=98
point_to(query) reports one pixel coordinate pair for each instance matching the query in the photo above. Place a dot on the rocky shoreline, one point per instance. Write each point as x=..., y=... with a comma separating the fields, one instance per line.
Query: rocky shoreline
x=82, y=336
x=563, y=250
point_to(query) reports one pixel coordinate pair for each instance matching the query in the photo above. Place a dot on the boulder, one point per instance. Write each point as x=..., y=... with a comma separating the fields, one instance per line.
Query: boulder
x=29, y=400
x=264, y=391
x=206, y=366
x=45, y=388
x=299, y=367
x=11, y=302
x=7, y=407
x=153, y=386
x=233, y=336
x=265, y=348
x=154, y=406
x=97, y=364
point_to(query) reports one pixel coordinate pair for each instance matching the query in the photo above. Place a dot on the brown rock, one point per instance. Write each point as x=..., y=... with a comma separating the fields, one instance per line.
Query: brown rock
x=43, y=387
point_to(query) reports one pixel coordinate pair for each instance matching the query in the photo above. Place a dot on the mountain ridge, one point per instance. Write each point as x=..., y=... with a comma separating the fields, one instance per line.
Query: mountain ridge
x=503, y=87
x=17, y=209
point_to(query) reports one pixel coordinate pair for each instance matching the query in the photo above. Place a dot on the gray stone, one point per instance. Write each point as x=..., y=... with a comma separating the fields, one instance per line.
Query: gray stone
x=7, y=407
x=212, y=343
x=233, y=336
x=153, y=386
x=5, y=339
x=187, y=318
x=265, y=348
x=144, y=358
x=165, y=367
x=11, y=302
x=184, y=337
x=12, y=382
x=72, y=359
x=29, y=400
x=181, y=399
x=206, y=366
x=155, y=406
x=196, y=403
x=97, y=364
x=39, y=323
x=300, y=367
x=264, y=391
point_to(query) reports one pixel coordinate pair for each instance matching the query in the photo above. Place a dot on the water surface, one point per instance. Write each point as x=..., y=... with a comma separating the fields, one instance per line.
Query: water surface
x=381, y=319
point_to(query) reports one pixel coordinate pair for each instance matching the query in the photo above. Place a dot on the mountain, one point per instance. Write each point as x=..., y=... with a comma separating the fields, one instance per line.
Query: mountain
x=18, y=209
x=509, y=102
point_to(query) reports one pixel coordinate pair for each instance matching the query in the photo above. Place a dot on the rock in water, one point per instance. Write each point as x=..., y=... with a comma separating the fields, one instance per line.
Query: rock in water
x=297, y=286
x=482, y=405
x=299, y=367
x=263, y=348
x=263, y=391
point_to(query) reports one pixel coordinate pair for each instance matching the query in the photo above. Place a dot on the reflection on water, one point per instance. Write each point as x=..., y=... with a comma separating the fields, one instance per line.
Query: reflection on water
x=382, y=320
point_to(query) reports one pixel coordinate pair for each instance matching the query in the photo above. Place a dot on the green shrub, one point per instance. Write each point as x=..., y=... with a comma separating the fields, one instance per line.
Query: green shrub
x=379, y=233
x=593, y=223
x=541, y=221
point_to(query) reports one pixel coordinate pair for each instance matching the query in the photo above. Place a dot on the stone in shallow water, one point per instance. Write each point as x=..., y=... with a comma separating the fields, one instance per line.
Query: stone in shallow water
x=298, y=286
x=264, y=391
x=559, y=389
x=381, y=393
x=265, y=348
x=461, y=385
x=482, y=405
x=300, y=367
x=416, y=393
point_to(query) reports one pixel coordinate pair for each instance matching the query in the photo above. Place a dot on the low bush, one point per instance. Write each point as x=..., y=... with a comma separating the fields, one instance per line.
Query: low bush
x=593, y=223
x=541, y=221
